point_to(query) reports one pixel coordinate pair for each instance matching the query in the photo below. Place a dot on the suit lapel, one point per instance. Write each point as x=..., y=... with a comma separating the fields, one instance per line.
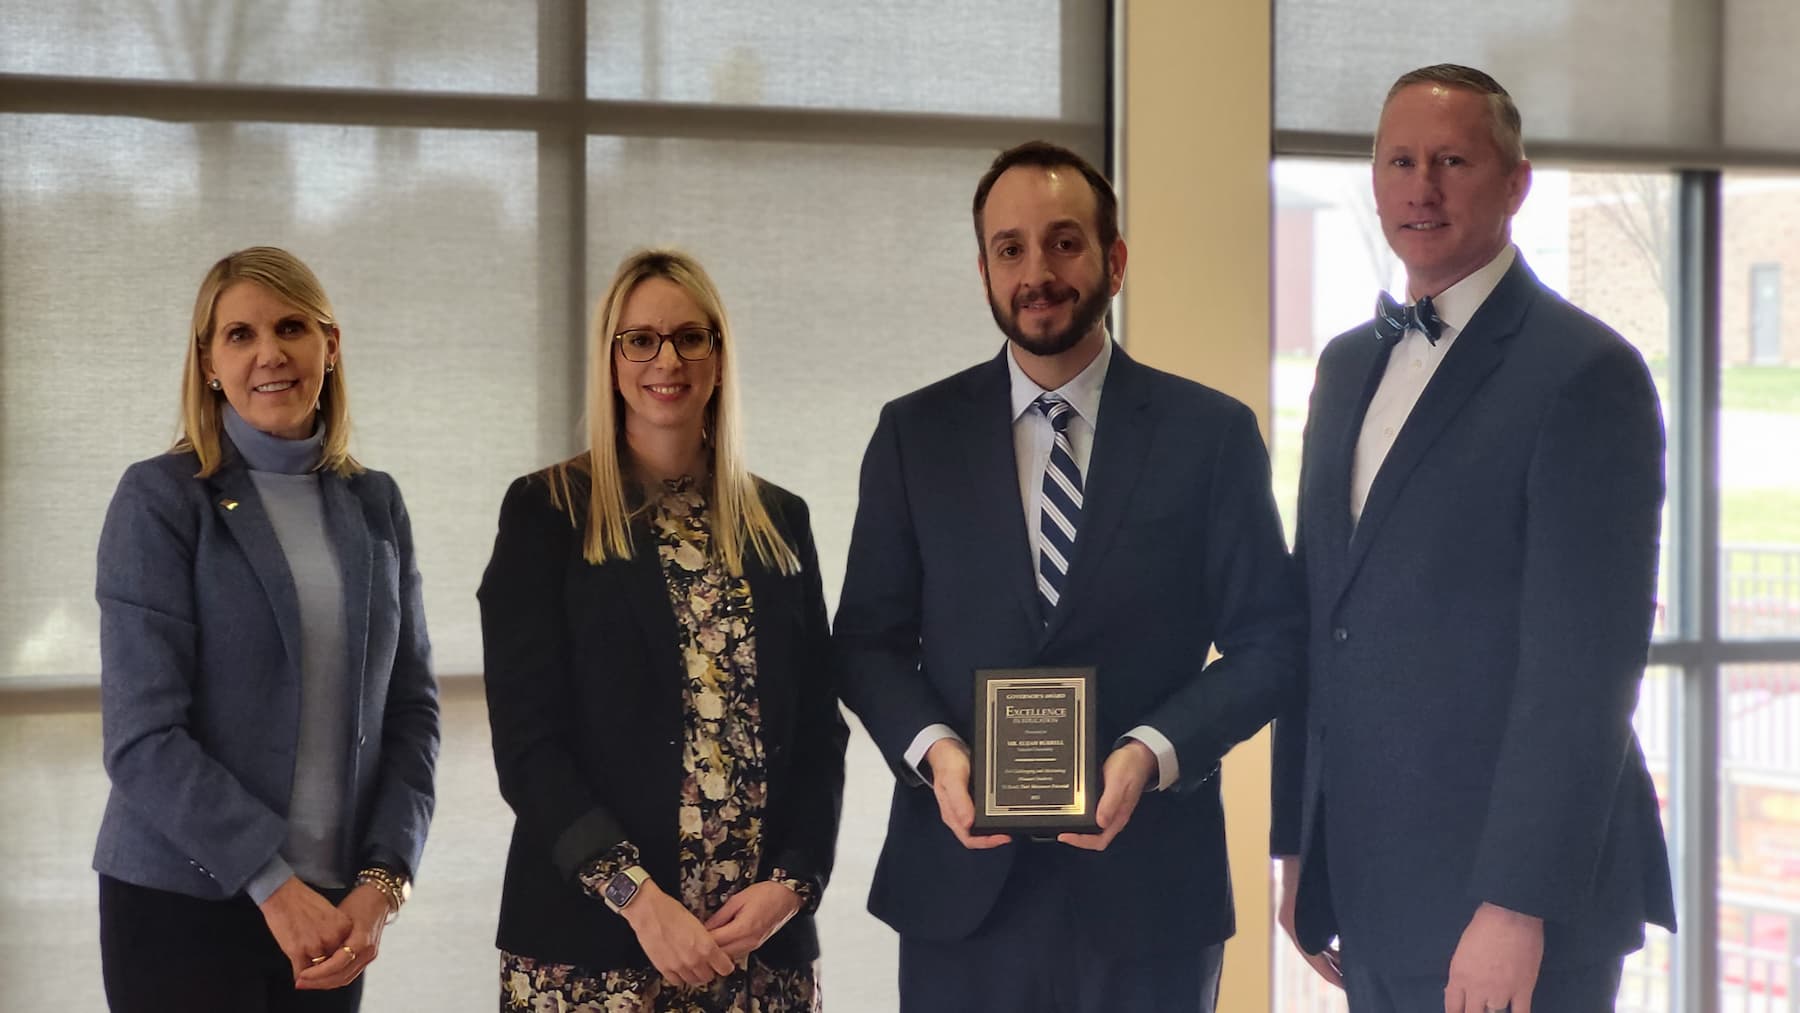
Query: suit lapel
x=348, y=530
x=1339, y=425
x=648, y=593
x=993, y=479
x=773, y=600
x=1478, y=350
x=241, y=507
x=1121, y=445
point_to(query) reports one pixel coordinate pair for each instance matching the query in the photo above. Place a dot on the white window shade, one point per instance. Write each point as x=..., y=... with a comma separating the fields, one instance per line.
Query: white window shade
x=1762, y=76
x=1628, y=80
x=106, y=227
x=407, y=45
x=1027, y=58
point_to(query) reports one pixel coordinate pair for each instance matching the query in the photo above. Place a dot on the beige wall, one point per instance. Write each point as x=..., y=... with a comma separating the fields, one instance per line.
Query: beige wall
x=1195, y=185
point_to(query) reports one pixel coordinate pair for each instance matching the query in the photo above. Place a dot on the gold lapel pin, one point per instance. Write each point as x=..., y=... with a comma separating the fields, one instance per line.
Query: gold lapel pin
x=229, y=504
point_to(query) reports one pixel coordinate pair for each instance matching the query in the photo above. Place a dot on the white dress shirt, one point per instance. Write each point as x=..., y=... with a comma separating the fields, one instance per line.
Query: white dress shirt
x=1033, y=436
x=1410, y=366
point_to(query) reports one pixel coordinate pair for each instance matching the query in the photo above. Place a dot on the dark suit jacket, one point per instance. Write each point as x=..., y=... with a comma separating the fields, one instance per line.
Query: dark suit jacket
x=584, y=689
x=1179, y=548
x=200, y=677
x=1477, y=643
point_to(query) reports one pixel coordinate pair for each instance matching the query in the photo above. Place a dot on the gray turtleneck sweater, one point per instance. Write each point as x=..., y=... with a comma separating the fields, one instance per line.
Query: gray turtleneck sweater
x=286, y=480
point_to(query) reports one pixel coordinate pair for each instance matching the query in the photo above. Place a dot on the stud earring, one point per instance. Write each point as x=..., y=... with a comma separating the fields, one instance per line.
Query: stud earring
x=329, y=366
x=215, y=384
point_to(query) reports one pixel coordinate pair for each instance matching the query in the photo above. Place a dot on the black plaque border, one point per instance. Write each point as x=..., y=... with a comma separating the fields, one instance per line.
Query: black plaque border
x=1088, y=765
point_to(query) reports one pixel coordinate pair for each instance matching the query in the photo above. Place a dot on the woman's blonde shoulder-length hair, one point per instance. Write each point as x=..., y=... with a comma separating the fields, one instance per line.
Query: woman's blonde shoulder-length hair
x=739, y=517
x=202, y=408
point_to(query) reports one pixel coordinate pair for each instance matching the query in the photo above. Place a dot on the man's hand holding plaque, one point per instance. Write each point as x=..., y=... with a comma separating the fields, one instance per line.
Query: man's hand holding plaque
x=1128, y=770
x=948, y=759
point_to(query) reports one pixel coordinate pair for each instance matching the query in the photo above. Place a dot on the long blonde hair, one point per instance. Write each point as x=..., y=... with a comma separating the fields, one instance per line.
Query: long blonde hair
x=739, y=517
x=202, y=408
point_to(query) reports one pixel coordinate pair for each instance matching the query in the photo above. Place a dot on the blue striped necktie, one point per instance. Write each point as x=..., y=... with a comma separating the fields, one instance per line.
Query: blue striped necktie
x=1061, y=516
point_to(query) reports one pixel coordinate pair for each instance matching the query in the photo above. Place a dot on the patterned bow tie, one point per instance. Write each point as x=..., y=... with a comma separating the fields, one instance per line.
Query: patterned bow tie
x=1392, y=320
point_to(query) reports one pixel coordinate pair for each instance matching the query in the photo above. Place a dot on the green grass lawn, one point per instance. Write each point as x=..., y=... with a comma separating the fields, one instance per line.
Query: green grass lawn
x=1749, y=388
x=1763, y=389
x=1760, y=517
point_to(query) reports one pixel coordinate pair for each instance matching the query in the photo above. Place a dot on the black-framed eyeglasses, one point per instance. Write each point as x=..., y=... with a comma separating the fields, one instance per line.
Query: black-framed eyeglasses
x=643, y=344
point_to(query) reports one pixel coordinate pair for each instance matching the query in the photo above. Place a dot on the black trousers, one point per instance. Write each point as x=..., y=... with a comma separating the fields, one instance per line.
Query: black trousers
x=1588, y=989
x=161, y=952
x=1034, y=954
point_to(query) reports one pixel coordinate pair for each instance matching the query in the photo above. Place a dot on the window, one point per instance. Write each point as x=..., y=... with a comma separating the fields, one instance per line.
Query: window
x=464, y=178
x=1765, y=315
x=1758, y=597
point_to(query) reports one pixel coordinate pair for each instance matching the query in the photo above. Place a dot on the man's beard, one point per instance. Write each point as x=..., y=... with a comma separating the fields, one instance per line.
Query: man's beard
x=1089, y=311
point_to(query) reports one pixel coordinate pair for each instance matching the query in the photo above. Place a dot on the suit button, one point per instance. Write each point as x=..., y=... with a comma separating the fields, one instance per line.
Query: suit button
x=1340, y=634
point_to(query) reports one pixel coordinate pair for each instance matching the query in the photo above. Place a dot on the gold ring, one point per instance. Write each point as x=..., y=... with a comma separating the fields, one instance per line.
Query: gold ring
x=351, y=952
x=316, y=961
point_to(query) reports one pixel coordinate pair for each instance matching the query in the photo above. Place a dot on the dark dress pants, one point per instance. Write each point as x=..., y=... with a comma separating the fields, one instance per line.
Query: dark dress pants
x=1591, y=988
x=1036, y=954
x=162, y=951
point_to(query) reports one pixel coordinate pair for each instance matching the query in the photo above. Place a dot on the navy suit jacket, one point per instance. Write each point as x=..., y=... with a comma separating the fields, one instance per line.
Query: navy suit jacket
x=1476, y=645
x=1180, y=548
x=200, y=677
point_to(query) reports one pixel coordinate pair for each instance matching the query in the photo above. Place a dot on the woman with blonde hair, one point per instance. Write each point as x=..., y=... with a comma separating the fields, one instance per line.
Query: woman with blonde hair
x=270, y=720
x=659, y=686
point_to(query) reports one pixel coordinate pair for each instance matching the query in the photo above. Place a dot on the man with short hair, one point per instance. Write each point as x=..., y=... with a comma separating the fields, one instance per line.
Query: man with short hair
x=1061, y=505
x=1460, y=798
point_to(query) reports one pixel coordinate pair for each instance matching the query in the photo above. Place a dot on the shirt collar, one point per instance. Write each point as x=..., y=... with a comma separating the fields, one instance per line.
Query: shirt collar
x=263, y=452
x=1458, y=303
x=1082, y=392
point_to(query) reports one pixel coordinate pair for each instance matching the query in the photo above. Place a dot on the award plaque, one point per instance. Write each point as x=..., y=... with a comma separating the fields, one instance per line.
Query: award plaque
x=1035, y=769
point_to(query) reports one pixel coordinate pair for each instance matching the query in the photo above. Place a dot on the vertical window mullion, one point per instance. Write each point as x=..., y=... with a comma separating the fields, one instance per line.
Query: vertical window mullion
x=562, y=220
x=1693, y=473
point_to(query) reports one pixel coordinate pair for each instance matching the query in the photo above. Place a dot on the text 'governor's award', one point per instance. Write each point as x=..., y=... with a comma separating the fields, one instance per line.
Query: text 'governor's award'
x=1035, y=770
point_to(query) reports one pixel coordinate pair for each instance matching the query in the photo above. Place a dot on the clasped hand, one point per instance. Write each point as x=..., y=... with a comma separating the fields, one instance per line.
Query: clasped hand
x=327, y=947
x=690, y=953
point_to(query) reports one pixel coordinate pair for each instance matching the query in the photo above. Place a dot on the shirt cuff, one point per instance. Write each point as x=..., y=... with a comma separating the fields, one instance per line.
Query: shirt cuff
x=268, y=879
x=599, y=870
x=1168, y=768
x=808, y=894
x=921, y=744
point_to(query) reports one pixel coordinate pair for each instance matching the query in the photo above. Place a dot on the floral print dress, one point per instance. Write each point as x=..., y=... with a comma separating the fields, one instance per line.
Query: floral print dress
x=722, y=799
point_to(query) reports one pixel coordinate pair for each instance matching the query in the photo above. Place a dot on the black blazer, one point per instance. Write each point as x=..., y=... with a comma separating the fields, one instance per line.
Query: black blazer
x=584, y=678
x=1180, y=548
x=1476, y=646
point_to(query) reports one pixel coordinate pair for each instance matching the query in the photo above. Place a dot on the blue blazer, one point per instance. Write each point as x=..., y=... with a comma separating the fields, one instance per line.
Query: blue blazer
x=1180, y=548
x=200, y=677
x=1476, y=645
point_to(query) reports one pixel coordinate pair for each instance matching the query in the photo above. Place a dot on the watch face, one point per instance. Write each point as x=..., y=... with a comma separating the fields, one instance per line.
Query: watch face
x=620, y=889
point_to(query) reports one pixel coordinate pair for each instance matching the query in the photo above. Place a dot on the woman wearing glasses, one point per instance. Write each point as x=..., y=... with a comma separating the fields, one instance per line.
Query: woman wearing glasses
x=659, y=687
